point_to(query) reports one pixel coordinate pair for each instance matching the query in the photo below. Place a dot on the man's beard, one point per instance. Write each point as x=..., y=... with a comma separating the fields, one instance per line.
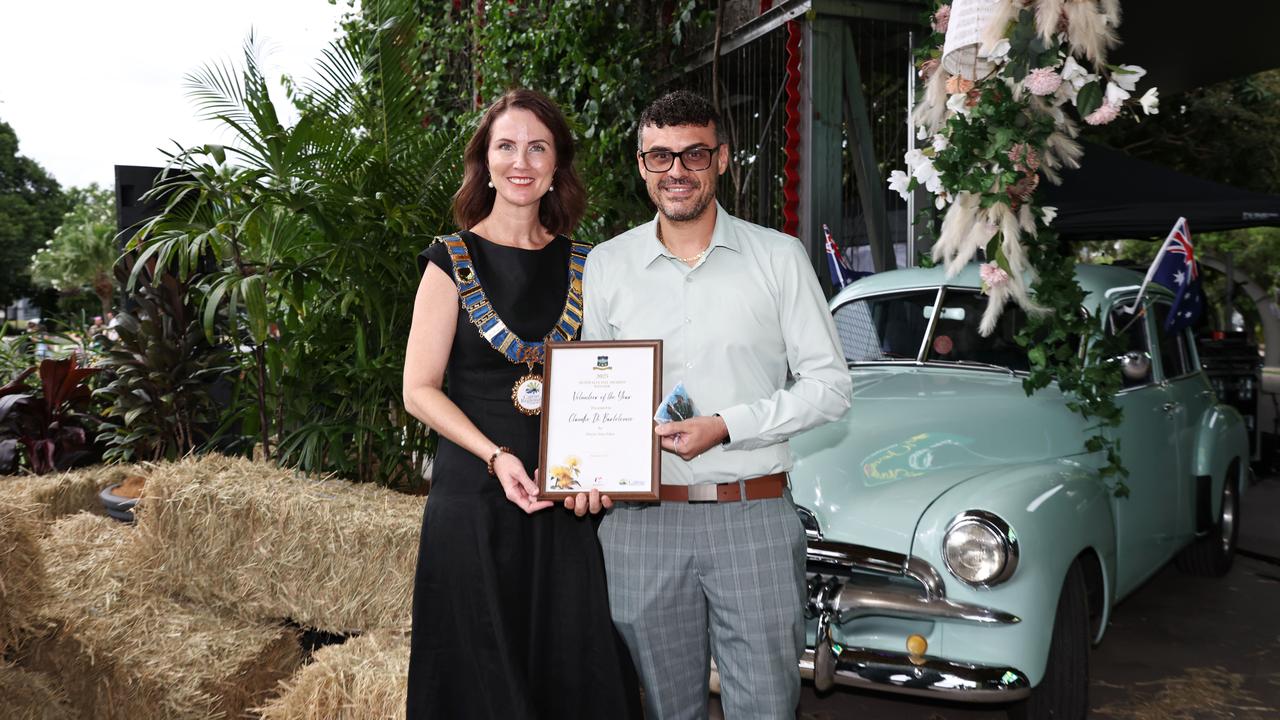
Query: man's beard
x=694, y=211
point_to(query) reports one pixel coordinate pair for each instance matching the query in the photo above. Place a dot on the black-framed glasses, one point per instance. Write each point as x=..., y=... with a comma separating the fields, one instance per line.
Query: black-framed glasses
x=693, y=159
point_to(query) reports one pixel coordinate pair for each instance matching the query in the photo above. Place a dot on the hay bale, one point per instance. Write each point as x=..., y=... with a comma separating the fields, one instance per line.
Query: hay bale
x=365, y=677
x=268, y=543
x=62, y=494
x=121, y=650
x=32, y=696
x=22, y=579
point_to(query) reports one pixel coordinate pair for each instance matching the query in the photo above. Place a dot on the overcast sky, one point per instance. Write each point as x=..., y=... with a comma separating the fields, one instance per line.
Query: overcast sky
x=89, y=84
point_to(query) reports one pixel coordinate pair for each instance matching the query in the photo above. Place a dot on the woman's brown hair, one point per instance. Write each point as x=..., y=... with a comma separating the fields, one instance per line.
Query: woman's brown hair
x=559, y=210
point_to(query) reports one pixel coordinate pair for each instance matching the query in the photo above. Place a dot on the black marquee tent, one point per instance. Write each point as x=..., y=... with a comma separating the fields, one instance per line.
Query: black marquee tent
x=1183, y=46
x=1114, y=196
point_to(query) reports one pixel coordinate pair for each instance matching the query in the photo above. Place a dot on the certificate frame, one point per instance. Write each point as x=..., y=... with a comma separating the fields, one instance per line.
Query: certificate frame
x=619, y=452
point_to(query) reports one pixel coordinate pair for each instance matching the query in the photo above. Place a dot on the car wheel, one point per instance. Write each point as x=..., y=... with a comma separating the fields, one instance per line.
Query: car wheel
x=1213, y=554
x=1063, y=692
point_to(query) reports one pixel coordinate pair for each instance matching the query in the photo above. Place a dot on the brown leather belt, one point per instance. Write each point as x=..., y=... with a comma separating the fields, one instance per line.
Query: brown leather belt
x=760, y=488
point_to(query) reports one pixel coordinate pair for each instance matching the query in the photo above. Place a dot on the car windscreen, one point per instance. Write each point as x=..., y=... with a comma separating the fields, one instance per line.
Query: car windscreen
x=884, y=327
x=956, y=337
x=892, y=327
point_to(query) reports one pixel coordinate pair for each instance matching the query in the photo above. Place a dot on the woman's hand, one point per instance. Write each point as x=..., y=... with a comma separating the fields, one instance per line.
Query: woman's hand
x=516, y=484
x=592, y=502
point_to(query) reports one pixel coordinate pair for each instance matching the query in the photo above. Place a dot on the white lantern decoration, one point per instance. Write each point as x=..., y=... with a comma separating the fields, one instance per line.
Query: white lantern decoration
x=960, y=50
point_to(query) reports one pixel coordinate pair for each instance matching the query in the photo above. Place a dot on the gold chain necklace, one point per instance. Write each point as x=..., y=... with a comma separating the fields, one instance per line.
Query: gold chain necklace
x=685, y=260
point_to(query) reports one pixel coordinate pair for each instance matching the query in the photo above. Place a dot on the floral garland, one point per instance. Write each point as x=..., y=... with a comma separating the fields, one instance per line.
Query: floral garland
x=995, y=113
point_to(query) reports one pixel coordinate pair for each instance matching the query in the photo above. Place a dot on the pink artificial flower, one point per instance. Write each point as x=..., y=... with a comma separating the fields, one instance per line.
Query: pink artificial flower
x=1022, y=190
x=1103, y=115
x=928, y=68
x=1043, y=81
x=1024, y=157
x=957, y=84
x=992, y=275
x=941, y=19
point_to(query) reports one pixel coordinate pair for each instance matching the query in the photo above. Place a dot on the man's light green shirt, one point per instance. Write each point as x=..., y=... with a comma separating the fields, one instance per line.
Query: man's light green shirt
x=746, y=330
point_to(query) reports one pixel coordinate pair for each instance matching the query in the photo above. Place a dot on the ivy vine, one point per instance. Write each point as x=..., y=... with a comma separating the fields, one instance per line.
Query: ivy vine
x=991, y=136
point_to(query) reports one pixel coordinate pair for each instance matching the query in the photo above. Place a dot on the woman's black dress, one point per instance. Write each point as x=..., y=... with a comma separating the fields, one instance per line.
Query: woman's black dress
x=510, y=611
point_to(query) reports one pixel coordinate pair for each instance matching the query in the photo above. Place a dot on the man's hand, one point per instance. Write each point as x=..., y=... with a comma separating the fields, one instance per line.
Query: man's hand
x=592, y=502
x=690, y=438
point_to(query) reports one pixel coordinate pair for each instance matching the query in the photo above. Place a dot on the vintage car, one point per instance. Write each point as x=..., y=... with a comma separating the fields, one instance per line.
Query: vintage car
x=961, y=542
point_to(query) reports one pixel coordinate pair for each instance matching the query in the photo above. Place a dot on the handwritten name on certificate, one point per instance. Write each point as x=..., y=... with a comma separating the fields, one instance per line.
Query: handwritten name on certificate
x=597, y=419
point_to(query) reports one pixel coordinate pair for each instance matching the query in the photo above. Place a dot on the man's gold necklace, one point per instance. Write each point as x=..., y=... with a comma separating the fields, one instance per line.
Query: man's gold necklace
x=685, y=260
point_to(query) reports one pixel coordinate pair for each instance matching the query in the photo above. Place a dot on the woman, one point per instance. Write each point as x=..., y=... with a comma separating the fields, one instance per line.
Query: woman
x=510, y=613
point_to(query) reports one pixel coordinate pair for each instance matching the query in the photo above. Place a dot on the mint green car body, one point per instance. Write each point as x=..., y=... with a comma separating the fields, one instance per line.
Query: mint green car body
x=926, y=441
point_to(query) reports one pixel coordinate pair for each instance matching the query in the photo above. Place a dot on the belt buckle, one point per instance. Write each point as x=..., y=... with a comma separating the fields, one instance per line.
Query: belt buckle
x=703, y=493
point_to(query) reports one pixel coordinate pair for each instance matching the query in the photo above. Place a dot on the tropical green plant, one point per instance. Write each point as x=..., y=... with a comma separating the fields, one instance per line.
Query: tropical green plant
x=83, y=248
x=16, y=355
x=51, y=422
x=160, y=371
x=299, y=244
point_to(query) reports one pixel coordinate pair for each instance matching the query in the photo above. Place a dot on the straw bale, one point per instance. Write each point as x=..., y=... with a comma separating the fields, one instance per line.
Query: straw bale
x=365, y=677
x=268, y=543
x=32, y=696
x=123, y=650
x=70, y=492
x=22, y=580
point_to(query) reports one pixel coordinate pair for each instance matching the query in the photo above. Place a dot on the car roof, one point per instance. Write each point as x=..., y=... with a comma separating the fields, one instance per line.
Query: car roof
x=1098, y=282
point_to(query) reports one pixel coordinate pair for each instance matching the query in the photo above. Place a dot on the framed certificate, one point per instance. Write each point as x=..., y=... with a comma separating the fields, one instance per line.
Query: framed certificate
x=597, y=419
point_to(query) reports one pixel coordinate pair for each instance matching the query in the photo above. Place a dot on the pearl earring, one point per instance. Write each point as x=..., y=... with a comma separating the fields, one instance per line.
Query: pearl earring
x=490, y=183
x=551, y=189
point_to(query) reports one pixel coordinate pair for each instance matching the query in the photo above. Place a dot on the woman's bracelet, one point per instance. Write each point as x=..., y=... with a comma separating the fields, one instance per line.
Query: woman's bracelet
x=494, y=456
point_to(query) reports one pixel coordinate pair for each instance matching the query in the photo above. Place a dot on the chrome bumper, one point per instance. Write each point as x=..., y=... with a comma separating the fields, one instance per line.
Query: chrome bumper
x=842, y=602
x=923, y=677
x=834, y=599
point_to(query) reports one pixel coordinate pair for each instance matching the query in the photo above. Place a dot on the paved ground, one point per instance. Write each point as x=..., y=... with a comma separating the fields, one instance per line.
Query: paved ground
x=1180, y=648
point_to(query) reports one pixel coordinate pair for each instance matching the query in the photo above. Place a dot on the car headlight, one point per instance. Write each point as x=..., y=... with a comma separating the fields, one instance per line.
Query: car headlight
x=810, y=523
x=980, y=548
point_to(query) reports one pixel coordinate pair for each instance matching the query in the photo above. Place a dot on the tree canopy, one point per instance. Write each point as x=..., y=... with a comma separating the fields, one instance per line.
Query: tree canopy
x=80, y=254
x=31, y=206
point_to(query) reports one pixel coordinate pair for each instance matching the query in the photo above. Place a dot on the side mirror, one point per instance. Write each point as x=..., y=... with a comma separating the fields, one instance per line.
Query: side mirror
x=1135, y=365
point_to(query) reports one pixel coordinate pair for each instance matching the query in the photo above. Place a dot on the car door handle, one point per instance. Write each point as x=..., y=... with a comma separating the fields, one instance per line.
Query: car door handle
x=1170, y=407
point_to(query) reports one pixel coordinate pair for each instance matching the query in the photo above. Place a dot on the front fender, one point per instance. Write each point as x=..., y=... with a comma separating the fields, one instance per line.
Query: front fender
x=1221, y=438
x=1056, y=510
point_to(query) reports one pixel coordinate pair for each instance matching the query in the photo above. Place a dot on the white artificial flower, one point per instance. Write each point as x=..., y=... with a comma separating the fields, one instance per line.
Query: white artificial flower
x=898, y=182
x=1150, y=102
x=1048, y=213
x=927, y=175
x=1127, y=76
x=1073, y=72
x=1116, y=95
x=922, y=133
x=941, y=200
x=940, y=143
x=914, y=157
x=957, y=103
x=1066, y=93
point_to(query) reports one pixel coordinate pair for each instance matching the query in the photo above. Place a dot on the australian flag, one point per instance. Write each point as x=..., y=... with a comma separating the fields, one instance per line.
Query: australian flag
x=1175, y=268
x=841, y=274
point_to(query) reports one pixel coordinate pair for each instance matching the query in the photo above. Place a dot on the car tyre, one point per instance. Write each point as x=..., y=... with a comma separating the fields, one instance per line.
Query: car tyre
x=1063, y=692
x=1213, y=554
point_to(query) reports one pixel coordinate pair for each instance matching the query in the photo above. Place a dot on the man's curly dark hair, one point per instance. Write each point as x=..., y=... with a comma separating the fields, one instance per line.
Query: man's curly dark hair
x=680, y=107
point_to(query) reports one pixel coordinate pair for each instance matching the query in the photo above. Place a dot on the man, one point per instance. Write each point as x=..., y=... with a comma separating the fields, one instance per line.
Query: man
x=719, y=563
